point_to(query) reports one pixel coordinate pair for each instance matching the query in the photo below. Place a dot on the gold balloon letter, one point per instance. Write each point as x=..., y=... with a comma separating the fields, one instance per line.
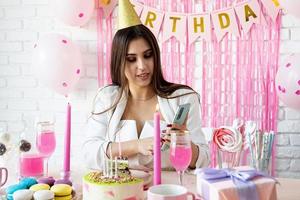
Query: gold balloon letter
x=151, y=16
x=197, y=25
x=226, y=17
x=174, y=19
x=249, y=12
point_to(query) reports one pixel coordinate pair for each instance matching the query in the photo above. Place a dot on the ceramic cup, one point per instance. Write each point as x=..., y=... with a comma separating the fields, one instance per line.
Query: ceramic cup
x=3, y=176
x=169, y=192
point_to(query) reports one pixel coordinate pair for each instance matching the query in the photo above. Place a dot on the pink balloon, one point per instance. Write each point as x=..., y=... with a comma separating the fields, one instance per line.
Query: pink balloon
x=288, y=81
x=73, y=12
x=57, y=62
x=292, y=7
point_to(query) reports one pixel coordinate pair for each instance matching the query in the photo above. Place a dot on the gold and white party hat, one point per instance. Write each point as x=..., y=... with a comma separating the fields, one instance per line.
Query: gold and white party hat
x=127, y=16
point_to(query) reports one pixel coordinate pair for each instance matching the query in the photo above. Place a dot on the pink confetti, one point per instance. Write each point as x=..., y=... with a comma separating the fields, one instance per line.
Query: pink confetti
x=110, y=193
x=80, y=15
x=279, y=88
x=65, y=84
x=283, y=90
x=288, y=65
x=297, y=92
x=64, y=41
x=299, y=82
x=131, y=198
x=77, y=71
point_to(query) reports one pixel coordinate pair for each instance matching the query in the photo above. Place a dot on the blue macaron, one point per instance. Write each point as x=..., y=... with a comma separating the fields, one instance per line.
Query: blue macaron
x=13, y=188
x=29, y=181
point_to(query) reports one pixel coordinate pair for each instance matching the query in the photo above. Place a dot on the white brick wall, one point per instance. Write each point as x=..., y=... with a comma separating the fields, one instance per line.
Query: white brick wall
x=23, y=97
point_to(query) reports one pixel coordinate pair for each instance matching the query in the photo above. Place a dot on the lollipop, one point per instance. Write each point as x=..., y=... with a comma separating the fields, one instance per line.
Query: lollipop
x=2, y=149
x=249, y=134
x=228, y=139
x=25, y=145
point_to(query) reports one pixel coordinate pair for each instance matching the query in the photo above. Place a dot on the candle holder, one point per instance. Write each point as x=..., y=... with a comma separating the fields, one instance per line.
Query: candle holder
x=64, y=178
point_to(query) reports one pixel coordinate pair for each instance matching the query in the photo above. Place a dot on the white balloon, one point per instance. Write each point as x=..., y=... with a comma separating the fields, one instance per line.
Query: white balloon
x=73, y=12
x=288, y=81
x=291, y=6
x=57, y=62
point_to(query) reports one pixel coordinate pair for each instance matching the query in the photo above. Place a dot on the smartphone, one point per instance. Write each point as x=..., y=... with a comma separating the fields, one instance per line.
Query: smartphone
x=181, y=113
x=179, y=118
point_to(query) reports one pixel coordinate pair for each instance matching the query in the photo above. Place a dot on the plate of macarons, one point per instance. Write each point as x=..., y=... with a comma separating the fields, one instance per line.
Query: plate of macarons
x=46, y=188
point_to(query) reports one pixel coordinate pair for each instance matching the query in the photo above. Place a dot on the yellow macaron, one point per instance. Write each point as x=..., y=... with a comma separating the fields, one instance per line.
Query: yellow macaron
x=61, y=190
x=39, y=186
x=68, y=197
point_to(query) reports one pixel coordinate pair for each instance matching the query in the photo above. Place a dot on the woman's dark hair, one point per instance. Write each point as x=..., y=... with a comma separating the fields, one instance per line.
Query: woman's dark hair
x=119, y=50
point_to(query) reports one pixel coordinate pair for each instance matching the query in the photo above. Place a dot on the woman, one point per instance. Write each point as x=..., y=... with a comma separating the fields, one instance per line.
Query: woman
x=124, y=110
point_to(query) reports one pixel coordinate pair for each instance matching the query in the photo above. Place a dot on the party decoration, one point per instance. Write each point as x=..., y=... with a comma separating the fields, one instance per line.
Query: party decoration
x=288, y=82
x=107, y=6
x=233, y=19
x=57, y=62
x=291, y=7
x=73, y=12
x=129, y=15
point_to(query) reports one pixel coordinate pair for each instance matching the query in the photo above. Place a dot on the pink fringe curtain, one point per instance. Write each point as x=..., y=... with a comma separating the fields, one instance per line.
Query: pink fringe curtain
x=237, y=73
x=238, y=77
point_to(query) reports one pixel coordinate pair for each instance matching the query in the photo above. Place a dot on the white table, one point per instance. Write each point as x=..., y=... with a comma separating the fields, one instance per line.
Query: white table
x=287, y=189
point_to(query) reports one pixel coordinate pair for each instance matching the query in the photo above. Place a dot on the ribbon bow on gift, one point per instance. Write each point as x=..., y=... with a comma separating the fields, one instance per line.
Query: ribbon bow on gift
x=241, y=178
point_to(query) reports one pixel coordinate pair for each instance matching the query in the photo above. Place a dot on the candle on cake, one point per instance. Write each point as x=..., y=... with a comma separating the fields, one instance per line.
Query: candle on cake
x=156, y=150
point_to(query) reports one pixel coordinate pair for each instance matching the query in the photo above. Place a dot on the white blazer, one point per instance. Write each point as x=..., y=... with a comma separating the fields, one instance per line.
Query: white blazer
x=101, y=129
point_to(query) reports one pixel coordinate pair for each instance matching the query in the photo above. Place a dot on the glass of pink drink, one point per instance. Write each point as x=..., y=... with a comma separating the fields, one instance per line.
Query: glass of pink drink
x=45, y=140
x=180, y=151
x=31, y=164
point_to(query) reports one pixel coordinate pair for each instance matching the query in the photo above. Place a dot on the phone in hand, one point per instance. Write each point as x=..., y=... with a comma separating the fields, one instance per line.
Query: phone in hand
x=181, y=113
x=179, y=118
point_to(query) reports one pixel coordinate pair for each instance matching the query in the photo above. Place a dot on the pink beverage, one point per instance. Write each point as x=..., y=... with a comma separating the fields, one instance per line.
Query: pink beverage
x=180, y=157
x=31, y=165
x=46, y=143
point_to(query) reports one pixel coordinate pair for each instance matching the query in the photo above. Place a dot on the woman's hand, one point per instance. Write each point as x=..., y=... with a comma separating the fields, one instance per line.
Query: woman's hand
x=145, y=146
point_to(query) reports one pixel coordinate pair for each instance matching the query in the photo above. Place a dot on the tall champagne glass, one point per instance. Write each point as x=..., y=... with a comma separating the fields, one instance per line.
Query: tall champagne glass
x=180, y=151
x=45, y=140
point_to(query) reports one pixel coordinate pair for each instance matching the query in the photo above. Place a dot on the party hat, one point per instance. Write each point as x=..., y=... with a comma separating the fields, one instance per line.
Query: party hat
x=127, y=15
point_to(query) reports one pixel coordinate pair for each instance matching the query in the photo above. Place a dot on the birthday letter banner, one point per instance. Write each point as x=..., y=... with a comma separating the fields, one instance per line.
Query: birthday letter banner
x=188, y=27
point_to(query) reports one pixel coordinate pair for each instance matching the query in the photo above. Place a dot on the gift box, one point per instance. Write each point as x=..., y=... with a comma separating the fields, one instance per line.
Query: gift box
x=235, y=184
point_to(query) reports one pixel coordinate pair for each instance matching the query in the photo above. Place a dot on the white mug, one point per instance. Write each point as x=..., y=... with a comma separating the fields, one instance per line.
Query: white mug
x=168, y=192
x=3, y=176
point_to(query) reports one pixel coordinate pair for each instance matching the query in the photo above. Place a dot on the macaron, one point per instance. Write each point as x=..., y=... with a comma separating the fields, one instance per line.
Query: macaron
x=63, y=181
x=62, y=190
x=28, y=181
x=68, y=197
x=47, y=180
x=13, y=188
x=43, y=195
x=39, y=186
x=23, y=194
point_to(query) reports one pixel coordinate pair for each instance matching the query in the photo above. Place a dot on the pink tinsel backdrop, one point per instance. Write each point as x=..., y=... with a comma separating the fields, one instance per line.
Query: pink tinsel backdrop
x=237, y=74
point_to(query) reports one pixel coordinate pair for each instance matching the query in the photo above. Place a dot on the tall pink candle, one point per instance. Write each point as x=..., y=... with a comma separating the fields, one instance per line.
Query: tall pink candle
x=67, y=140
x=156, y=150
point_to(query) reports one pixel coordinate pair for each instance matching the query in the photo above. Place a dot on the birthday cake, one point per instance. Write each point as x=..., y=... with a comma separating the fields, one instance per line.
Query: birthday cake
x=122, y=187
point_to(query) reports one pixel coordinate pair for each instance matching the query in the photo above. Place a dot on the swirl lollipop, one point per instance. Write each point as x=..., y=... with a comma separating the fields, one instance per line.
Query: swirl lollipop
x=228, y=139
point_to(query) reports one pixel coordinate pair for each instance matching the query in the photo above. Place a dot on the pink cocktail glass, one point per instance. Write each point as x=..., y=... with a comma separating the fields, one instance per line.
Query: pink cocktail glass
x=180, y=151
x=45, y=141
